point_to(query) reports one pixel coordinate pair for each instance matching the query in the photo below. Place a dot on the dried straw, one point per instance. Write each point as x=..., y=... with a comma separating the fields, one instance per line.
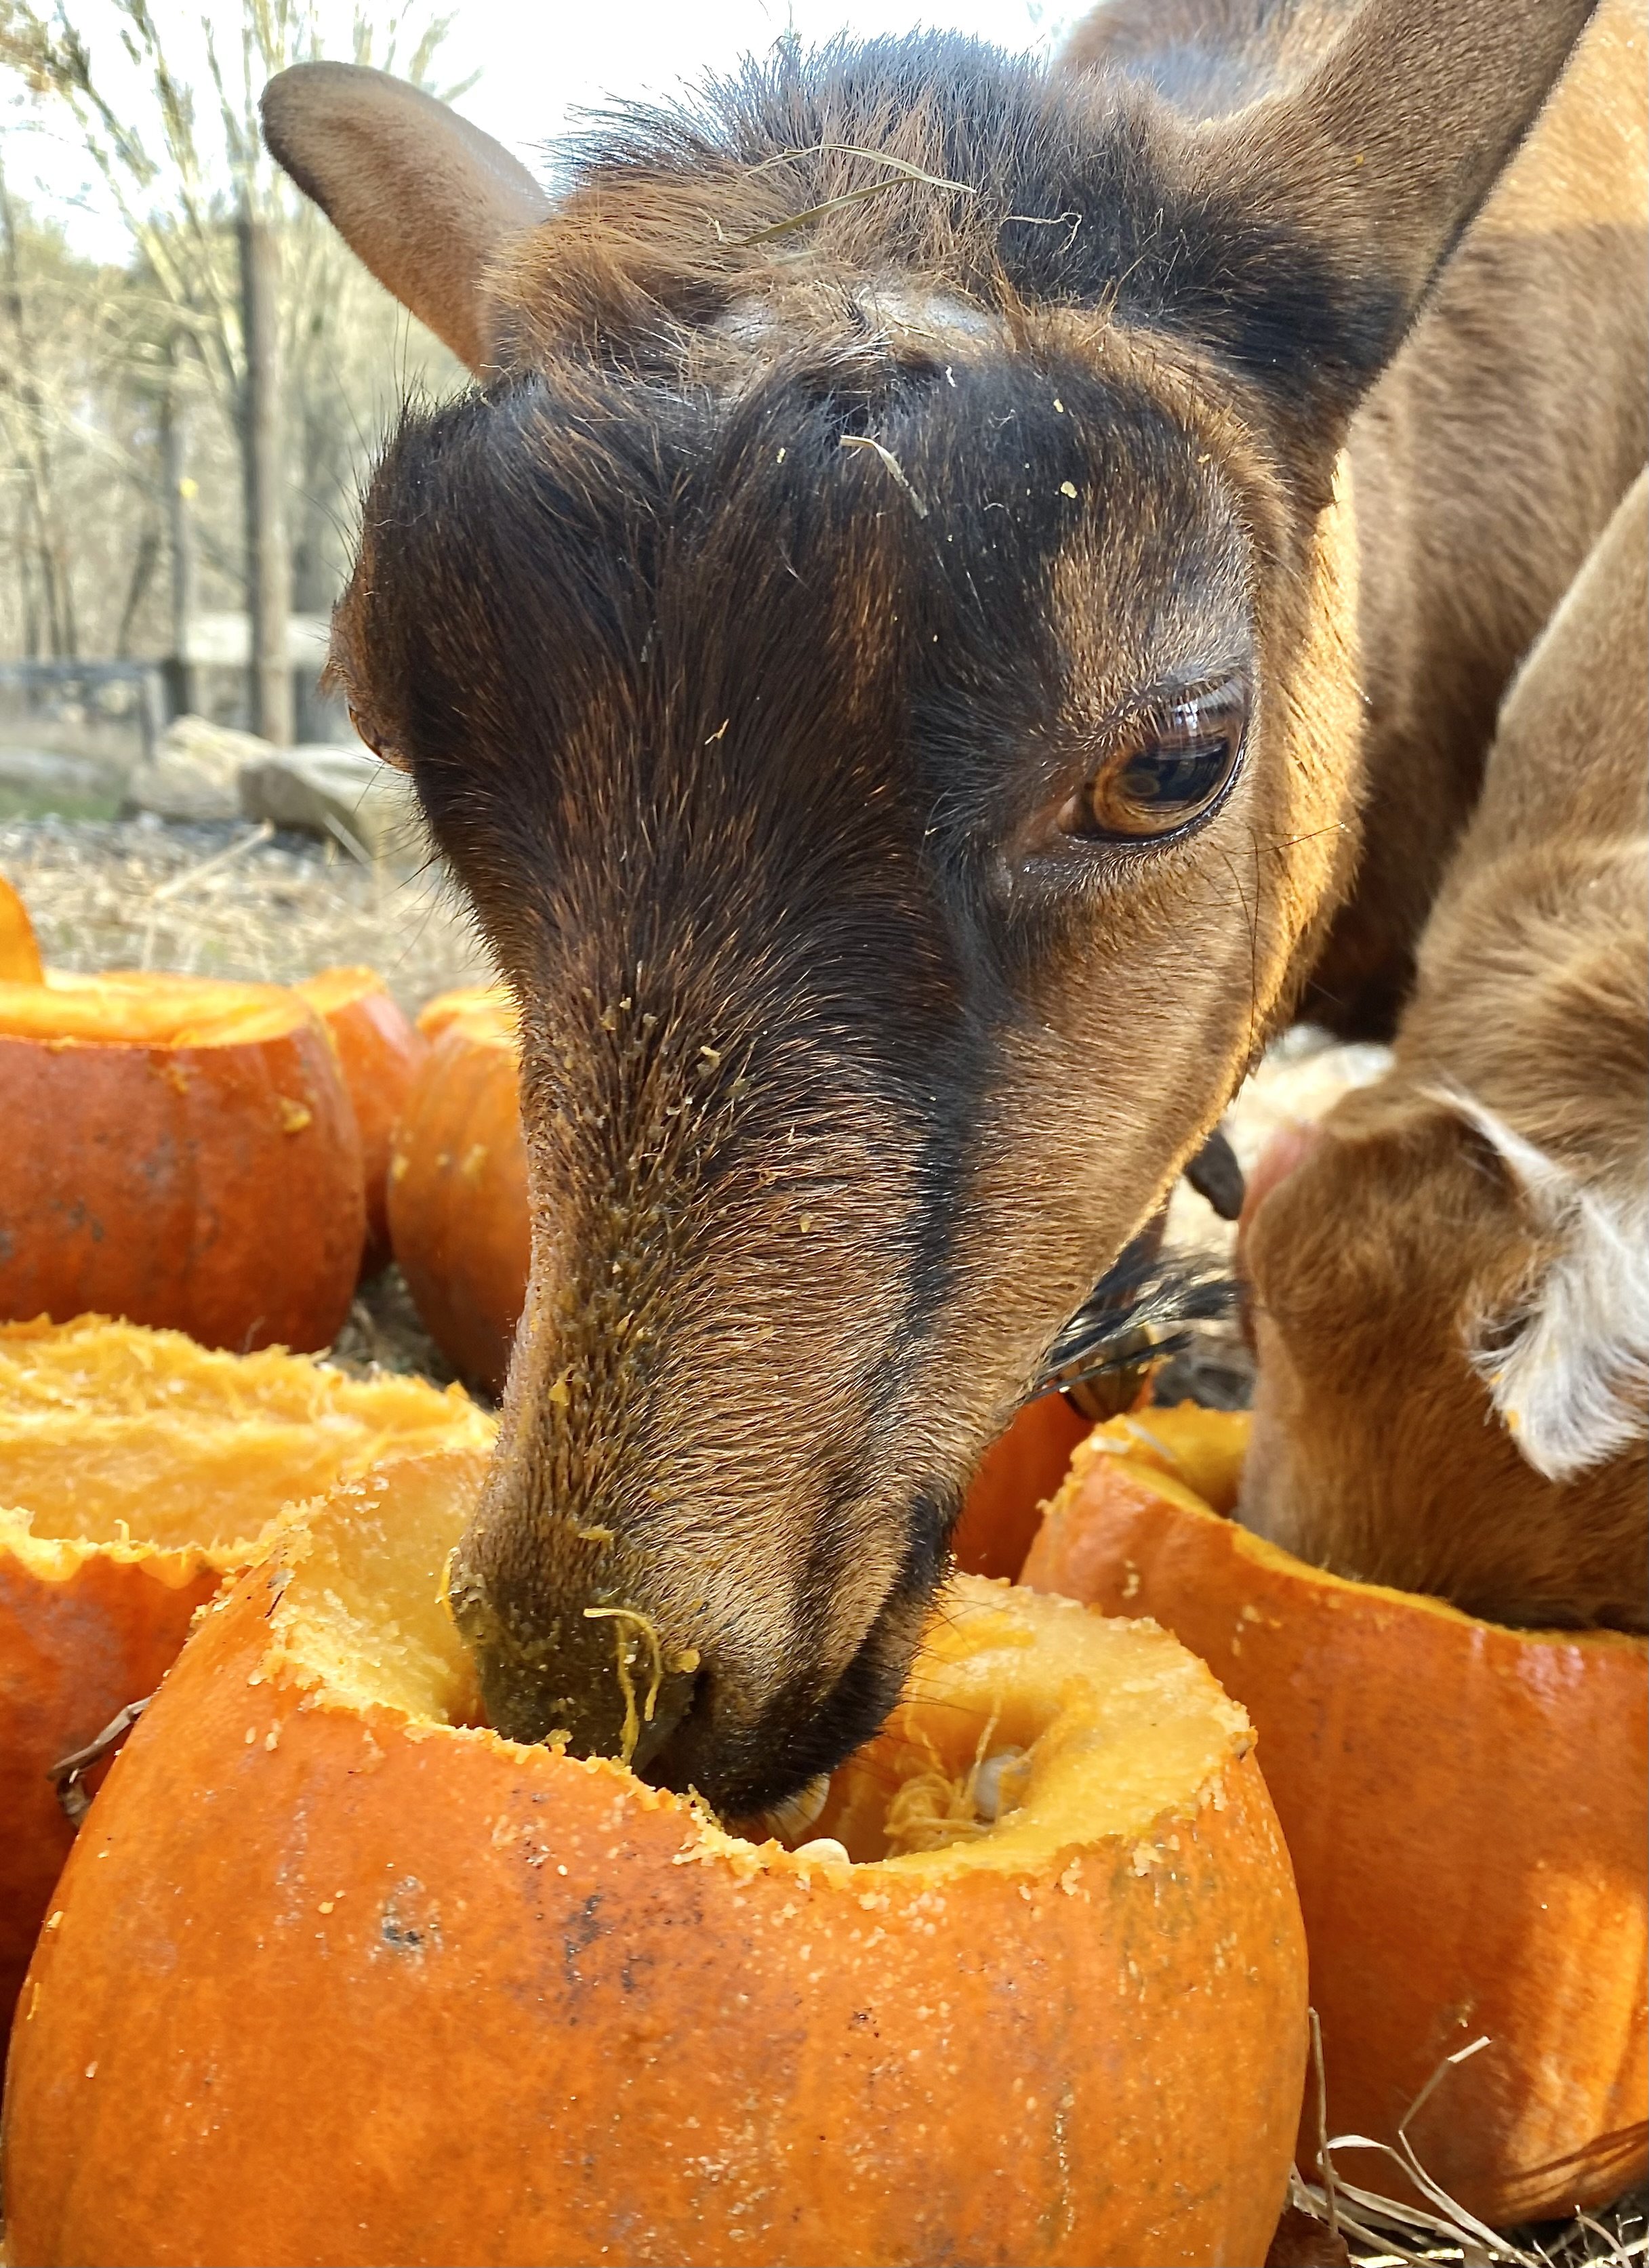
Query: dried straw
x=230, y=899
x=1388, y=2232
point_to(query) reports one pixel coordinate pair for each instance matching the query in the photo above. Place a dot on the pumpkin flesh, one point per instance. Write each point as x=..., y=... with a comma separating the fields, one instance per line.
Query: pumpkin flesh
x=136, y=1469
x=567, y=2016
x=19, y=955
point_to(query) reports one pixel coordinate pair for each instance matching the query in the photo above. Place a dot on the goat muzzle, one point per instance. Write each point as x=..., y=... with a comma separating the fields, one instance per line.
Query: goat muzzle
x=599, y=1676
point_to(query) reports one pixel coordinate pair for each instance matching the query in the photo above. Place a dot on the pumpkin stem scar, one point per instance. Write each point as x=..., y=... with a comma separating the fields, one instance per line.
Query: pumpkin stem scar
x=67, y=1774
x=632, y=1722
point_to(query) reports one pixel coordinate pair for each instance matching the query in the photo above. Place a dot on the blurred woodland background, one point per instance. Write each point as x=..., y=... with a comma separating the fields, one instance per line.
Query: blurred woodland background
x=191, y=388
x=181, y=436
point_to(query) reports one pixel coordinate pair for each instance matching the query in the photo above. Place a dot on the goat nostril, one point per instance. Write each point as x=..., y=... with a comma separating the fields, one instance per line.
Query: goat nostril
x=672, y=1705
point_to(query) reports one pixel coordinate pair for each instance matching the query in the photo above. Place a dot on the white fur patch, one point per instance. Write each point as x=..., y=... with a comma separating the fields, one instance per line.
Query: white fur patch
x=1570, y=1373
x=904, y=305
x=894, y=304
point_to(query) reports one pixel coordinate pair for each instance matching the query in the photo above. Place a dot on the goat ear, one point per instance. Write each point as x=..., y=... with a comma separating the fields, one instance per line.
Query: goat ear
x=1351, y=186
x=424, y=198
x=1568, y=1368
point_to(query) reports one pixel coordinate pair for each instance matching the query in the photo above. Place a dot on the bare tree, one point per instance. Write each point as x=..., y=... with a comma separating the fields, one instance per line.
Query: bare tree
x=216, y=231
x=32, y=443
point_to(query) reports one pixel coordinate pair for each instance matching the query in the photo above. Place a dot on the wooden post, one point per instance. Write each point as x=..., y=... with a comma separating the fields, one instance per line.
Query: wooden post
x=269, y=573
x=180, y=494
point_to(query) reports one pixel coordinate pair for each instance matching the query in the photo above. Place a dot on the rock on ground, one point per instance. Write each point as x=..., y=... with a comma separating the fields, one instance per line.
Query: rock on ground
x=342, y=792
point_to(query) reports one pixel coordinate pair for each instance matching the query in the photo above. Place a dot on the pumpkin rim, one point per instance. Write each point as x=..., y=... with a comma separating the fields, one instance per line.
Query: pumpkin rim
x=1053, y=1820
x=268, y=1396
x=1276, y=1559
x=207, y=1012
x=61, y=1558
x=487, y=1005
x=339, y=986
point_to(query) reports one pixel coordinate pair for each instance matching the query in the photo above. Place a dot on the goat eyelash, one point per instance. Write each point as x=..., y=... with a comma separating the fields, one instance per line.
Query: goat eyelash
x=1141, y=1311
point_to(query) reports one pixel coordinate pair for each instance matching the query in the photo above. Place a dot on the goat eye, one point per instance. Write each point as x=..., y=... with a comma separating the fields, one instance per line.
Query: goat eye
x=1171, y=767
x=383, y=749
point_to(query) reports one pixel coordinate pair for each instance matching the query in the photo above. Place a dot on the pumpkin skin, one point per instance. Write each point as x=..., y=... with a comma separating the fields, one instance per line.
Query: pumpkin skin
x=180, y=1152
x=520, y=2009
x=136, y=1469
x=1465, y=1807
x=1023, y=1469
x=379, y=1053
x=1019, y=1472
x=458, y=1212
x=19, y=955
x=445, y=1008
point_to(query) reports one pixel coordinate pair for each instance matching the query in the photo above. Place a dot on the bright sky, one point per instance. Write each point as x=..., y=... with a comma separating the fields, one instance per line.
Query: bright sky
x=538, y=62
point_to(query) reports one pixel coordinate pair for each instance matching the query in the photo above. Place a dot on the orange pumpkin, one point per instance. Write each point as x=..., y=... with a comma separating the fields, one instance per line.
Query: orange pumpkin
x=135, y=1468
x=331, y=1977
x=463, y=1000
x=177, y=1152
x=1465, y=1807
x=458, y=1217
x=19, y=955
x=379, y=1053
x=1019, y=1472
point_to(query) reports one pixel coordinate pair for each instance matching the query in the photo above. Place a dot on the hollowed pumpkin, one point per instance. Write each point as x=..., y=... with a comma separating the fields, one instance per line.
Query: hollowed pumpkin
x=336, y=1977
x=135, y=1468
x=177, y=1152
x=458, y=1217
x=380, y=1052
x=1465, y=1807
x=19, y=955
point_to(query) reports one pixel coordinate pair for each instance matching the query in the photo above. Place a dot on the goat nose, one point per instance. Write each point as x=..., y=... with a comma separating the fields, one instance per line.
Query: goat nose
x=602, y=1675
x=1288, y=1146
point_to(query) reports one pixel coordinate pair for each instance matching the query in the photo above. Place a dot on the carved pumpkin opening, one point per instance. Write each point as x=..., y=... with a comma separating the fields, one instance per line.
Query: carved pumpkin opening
x=1082, y=2018
x=1465, y=1808
x=178, y=1152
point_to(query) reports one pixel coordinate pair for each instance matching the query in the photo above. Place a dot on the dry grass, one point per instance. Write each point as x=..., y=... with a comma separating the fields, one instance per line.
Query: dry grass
x=231, y=899
x=1380, y=2231
x=1617, y=2237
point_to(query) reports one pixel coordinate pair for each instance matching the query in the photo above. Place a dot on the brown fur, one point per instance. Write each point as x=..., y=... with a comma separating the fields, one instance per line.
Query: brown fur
x=744, y=635
x=366, y=146
x=1500, y=433
x=1401, y=1234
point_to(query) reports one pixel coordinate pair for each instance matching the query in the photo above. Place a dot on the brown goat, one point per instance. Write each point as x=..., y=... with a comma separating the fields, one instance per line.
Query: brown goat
x=1451, y=1280
x=906, y=664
